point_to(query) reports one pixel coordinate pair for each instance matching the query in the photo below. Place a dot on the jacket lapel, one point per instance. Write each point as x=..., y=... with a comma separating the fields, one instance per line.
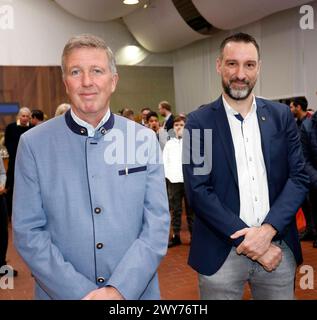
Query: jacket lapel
x=224, y=132
x=265, y=126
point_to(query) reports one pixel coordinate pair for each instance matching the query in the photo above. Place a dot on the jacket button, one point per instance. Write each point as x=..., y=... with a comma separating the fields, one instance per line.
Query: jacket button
x=97, y=210
x=100, y=280
x=99, y=245
x=103, y=131
x=82, y=131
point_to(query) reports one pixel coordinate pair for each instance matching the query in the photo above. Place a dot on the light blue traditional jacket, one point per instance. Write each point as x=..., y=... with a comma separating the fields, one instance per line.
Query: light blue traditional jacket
x=91, y=212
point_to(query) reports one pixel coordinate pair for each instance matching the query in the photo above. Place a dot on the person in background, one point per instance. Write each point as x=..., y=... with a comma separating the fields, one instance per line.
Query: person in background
x=298, y=107
x=129, y=114
x=165, y=110
x=88, y=225
x=172, y=159
x=3, y=221
x=12, y=136
x=37, y=117
x=245, y=180
x=144, y=112
x=309, y=144
x=154, y=124
x=61, y=109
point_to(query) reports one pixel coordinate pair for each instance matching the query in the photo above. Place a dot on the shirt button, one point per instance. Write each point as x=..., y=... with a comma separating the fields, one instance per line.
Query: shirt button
x=250, y=159
x=99, y=245
x=100, y=280
x=255, y=198
x=103, y=131
x=97, y=210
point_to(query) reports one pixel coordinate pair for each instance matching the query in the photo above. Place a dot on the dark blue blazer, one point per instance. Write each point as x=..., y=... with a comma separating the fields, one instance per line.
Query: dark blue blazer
x=215, y=196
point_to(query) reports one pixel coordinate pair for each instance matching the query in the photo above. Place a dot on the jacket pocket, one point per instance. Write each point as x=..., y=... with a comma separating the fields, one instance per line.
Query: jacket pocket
x=127, y=171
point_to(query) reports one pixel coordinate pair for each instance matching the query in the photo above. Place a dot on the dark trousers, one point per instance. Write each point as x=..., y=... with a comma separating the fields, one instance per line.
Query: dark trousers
x=9, y=188
x=176, y=195
x=3, y=231
x=313, y=201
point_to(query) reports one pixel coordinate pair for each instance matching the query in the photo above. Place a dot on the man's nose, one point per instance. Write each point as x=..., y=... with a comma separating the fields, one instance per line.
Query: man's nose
x=86, y=79
x=240, y=73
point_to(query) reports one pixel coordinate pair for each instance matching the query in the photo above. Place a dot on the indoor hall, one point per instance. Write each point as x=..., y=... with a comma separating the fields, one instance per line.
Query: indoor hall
x=166, y=62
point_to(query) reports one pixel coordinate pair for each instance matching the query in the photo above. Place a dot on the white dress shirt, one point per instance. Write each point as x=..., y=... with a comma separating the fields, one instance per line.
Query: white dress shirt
x=90, y=129
x=172, y=159
x=252, y=178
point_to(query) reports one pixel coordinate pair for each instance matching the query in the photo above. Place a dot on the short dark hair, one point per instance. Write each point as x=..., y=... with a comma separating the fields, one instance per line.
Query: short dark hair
x=179, y=118
x=151, y=114
x=145, y=108
x=300, y=101
x=240, y=37
x=38, y=114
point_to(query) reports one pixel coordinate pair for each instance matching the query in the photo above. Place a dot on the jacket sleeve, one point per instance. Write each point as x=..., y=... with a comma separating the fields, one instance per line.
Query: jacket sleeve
x=139, y=264
x=57, y=277
x=201, y=195
x=307, y=151
x=284, y=208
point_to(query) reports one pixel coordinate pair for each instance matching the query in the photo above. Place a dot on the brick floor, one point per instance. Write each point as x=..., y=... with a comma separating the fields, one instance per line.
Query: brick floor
x=177, y=280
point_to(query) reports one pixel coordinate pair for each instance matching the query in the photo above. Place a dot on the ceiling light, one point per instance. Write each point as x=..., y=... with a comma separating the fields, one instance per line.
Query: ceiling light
x=130, y=55
x=131, y=1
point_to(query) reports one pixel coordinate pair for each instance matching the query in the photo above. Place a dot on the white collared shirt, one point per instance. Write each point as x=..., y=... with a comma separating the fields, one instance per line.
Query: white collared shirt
x=252, y=178
x=90, y=129
x=172, y=159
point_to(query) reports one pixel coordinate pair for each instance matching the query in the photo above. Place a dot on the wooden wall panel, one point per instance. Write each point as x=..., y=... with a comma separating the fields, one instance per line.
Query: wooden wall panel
x=33, y=87
x=43, y=88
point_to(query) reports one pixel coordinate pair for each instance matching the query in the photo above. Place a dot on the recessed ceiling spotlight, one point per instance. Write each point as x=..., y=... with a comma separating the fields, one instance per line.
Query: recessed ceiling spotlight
x=131, y=1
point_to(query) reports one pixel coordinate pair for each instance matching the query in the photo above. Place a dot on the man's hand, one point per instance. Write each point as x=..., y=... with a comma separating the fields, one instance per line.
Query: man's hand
x=105, y=293
x=256, y=241
x=2, y=190
x=271, y=259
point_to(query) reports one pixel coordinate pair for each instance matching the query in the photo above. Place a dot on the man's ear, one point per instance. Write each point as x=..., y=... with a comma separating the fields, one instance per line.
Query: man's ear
x=115, y=79
x=65, y=84
x=259, y=67
x=218, y=65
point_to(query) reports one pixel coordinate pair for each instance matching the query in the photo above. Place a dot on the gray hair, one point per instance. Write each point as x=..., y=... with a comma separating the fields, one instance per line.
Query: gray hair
x=24, y=110
x=88, y=41
x=61, y=109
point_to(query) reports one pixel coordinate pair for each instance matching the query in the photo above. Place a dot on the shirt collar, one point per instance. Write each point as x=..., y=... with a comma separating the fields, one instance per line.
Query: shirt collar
x=233, y=112
x=90, y=129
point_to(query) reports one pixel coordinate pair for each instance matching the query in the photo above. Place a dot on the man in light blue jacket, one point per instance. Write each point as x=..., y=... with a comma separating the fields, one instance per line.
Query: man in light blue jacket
x=90, y=210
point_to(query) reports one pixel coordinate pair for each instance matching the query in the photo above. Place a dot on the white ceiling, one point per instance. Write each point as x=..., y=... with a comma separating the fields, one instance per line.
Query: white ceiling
x=98, y=10
x=160, y=27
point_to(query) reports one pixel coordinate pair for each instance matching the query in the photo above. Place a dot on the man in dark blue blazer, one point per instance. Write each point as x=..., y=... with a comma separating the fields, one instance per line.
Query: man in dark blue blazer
x=244, y=176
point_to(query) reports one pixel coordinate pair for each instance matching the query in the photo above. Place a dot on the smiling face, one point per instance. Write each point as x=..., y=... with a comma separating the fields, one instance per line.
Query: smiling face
x=89, y=83
x=238, y=67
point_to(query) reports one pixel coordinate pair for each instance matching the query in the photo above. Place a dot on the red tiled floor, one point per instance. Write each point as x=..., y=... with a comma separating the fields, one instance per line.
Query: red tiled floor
x=177, y=280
